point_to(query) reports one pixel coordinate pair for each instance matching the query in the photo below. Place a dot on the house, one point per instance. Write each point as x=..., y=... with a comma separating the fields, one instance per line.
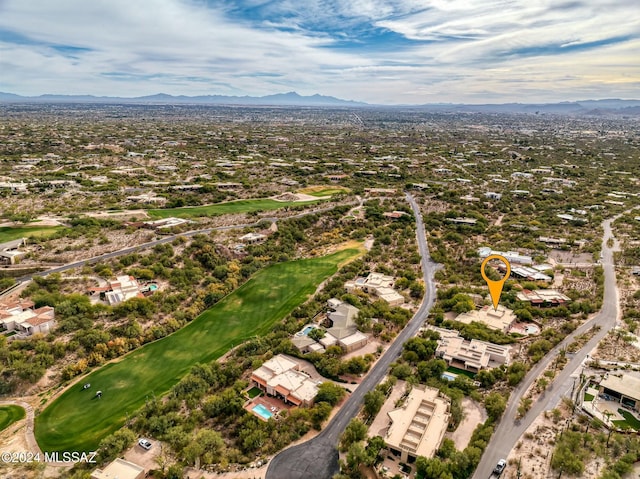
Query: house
x=624, y=388
x=417, y=427
x=552, y=241
x=21, y=317
x=282, y=377
x=463, y=221
x=253, y=238
x=119, y=469
x=394, y=214
x=473, y=355
x=543, y=297
x=343, y=330
x=336, y=177
x=510, y=256
x=527, y=272
x=378, y=284
x=9, y=252
x=166, y=223
x=500, y=319
x=147, y=198
x=121, y=289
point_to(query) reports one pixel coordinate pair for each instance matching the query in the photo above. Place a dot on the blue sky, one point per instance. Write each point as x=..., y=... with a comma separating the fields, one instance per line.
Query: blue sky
x=378, y=51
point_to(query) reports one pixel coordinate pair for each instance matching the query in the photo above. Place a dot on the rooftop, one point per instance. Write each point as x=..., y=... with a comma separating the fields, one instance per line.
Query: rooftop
x=625, y=384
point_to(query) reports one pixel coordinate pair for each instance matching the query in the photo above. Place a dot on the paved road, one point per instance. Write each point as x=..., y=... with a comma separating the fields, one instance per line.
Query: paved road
x=508, y=432
x=167, y=239
x=318, y=457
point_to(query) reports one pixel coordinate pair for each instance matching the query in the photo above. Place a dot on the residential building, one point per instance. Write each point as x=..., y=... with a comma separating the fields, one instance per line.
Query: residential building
x=378, y=284
x=500, y=319
x=473, y=355
x=543, y=297
x=20, y=316
x=9, y=252
x=417, y=427
x=394, y=214
x=510, y=256
x=253, y=238
x=463, y=221
x=343, y=330
x=624, y=389
x=282, y=377
x=119, y=290
x=119, y=469
x=147, y=198
x=527, y=272
x=166, y=223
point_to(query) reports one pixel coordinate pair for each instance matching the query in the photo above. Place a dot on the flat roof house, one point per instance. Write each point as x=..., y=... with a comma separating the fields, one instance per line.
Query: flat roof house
x=543, y=297
x=471, y=355
x=280, y=376
x=500, y=319
x=624, y=388
x=417, y=427
x=119, y=469
x=381, y=285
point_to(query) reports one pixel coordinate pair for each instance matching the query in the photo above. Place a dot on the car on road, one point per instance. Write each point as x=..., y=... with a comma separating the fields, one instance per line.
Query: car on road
x=500, y=467
x=144, y=443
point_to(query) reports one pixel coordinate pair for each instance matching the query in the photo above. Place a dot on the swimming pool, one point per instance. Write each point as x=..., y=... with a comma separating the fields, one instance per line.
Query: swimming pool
x=262, y=411
x=449, y=376
x=307, y=330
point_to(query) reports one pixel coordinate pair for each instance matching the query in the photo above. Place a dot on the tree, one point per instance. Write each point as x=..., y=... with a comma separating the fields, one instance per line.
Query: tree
x=354, y=432
x=373, y=401
x=374, y=446
x=111, y=446
x=329, y=393
x=317, y=334
x=495, y=404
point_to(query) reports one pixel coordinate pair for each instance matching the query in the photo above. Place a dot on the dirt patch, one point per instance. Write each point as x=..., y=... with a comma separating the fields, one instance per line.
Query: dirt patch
x=474, y=414
x=298, y=197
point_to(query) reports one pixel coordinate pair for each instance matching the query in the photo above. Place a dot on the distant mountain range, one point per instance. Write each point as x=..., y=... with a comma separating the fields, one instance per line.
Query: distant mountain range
x=586, y=107
x=279, y=99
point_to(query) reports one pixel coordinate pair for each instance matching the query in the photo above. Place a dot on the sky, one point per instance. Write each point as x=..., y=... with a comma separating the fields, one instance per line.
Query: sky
x=376, y=51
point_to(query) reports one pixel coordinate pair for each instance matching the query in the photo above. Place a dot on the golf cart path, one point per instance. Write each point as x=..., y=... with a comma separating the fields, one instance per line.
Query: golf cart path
x=28, y=430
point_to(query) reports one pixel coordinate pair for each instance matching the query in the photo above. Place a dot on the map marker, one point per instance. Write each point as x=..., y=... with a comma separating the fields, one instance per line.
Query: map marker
x=495, y=287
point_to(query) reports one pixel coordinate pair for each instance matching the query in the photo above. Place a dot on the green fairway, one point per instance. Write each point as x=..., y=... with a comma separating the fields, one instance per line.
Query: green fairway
x=9, y=415
x=10, y=233
x=77, y=420
x=239, y=206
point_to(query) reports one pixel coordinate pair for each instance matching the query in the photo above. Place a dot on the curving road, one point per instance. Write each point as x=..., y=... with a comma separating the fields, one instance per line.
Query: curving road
x=508, y=431
x=318, y=457
x=169, y=239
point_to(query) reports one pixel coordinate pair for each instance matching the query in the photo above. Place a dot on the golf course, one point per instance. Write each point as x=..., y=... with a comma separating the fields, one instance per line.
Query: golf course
x=10, y=233
x=228, y=207
x=9, y=415
x=77, y=419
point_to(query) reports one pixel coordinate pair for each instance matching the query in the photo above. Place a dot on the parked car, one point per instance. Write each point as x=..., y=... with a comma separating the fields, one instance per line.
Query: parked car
x=144, y=443
x=500, y=467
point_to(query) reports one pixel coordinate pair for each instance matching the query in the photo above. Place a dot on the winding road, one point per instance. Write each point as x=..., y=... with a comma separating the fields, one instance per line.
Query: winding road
x=508, y=431
x=169, y=239
x=318, y=457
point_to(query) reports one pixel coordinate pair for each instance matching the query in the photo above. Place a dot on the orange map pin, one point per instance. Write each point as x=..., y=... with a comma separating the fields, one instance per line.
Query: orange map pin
x=495, y=287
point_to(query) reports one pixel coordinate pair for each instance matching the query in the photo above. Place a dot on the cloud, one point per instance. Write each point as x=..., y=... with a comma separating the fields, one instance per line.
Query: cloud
x=372, y=50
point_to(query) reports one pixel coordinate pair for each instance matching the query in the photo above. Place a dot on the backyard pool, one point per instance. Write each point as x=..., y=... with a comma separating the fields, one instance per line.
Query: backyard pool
x=305, y=331
x=449, y=376
x=262, y=411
